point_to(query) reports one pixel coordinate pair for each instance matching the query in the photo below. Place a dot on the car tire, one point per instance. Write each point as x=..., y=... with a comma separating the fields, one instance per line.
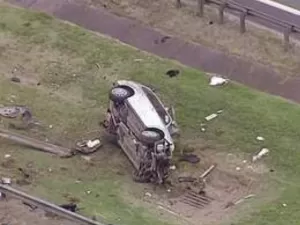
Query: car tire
x=150, y=136
x=119, y=94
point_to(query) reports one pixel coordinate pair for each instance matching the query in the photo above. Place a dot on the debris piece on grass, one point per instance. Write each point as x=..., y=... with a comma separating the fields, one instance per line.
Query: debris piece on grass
x=217, y=81
x=15, y=111
x=15, y=79
x=262, y=153
x=88, y=146
x=138, y=60
x=2, y=196
x=88, y=192
x=172, y=73
x=210, y=117
x=87, y=158
x=259, y=138
x=220, y=111
x=191, y=158
x=32, y=207
x=92, y=144
x=186, y=179
x=284, y=205
x=148, y=194
x=169, y=190
x=51, y=126
x=24, y=173
x=6, y=180
x=70, y=207
x=238, y=168
x=244, y=161
x=208, y=171
x=6, y=156
x=173, y=167
x=243, y=199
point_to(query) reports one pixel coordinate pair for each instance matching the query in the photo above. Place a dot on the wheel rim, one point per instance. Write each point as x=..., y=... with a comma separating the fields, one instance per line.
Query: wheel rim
x=120, y=92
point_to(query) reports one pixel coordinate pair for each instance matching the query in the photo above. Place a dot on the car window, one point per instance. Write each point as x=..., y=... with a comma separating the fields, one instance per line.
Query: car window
x=157, y=105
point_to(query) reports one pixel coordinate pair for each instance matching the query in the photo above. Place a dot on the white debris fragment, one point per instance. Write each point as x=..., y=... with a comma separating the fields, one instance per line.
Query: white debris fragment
x=51, y=126
x=78, y=181
x=284, y=205
x=138, y=60
x=262, y=153
x=169, y=190
x=88, y=192
x=238, y=168
x=220, y=111
x=259, y=138
x=244, y=161
x=6, y=180
x=92, y=144
x=173, y=167
x=210, y=117
x=148, y=194
x=203, y=129
x=87, y=158
x=217, y=81
x=6, y=156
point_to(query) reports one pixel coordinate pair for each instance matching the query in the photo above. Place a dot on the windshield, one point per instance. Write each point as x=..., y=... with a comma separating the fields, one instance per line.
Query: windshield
x=161, y=111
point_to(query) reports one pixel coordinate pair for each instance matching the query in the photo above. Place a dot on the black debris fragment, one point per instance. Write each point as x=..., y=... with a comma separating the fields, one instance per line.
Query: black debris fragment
x=172, y=73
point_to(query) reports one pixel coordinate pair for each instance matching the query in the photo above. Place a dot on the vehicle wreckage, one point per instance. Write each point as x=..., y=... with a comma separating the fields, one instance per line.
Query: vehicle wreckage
x=144, y=129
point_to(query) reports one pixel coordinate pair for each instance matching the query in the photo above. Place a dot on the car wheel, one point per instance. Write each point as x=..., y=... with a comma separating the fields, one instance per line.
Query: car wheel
x=119, y=94
x=150, y=136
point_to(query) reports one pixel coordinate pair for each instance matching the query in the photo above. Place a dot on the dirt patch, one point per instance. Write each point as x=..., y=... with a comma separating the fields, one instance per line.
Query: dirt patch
x=14, y=212
x=234, y=178
x=257, y=45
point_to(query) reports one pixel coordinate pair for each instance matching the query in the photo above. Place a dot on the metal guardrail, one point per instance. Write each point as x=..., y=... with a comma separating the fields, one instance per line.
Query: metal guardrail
x=47, y=206
x=245, y=11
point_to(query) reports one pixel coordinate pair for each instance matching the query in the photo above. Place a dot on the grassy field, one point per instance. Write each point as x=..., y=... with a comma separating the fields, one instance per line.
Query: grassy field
x=75, y=69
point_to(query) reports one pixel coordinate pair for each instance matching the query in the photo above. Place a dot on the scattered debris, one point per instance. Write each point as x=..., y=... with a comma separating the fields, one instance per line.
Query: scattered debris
x=210, y=22
x=210, y=117
x=262, y=153
x=24, y=173
x=5, y=180
x=148, y=194
x=50, y=126
x=138, y=60
x=191, y=158
x=217, y=81
x=162, y=40
x=244, y=161
x=172, y=73
x=2, y=196
x=243, y=199
x=169, y=190
x=168, y=210
x=208, y=171
x=88, y=146
x=15, y=111
x=186, y=179
x=88, y=192
x=70, y=207
x=15, y=79
x=173, y=167
x=196, y=200
x=238, y=168
x=32, y=207
x=220, y=111
x=86, y=158
x=7, y=156
x=259, y=138
x=284, y=205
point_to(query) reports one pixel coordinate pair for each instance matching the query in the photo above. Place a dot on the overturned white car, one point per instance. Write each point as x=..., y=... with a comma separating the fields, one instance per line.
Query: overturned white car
x=144, y=128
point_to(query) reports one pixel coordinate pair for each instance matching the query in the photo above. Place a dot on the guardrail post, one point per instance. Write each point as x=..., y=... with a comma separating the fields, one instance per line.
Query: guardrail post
x=200, y=8
x=221, y=12
x=287, y=32
x=243, y=21
x=178, y=4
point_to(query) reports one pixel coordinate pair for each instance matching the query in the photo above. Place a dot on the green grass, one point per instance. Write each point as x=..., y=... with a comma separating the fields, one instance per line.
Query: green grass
x=52, y=52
